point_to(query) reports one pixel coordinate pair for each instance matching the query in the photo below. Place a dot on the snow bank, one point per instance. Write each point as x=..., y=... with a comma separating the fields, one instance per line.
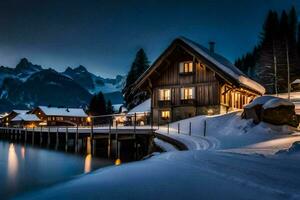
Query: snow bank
x=164, y=145
x=186, y=175
x=293, y=149
x=222, y=132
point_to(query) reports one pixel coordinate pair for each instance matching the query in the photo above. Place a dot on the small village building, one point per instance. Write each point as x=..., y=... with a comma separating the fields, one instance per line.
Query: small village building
x=140, y=114
x=60, y=116
x=6, y=119
x=188, y=79
x=25, y=120
x=119, y=116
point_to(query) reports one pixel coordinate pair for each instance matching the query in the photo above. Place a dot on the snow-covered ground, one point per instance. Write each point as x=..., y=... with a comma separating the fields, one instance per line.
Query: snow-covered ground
x=229, y=131
x=228, y=158
x=187, y=175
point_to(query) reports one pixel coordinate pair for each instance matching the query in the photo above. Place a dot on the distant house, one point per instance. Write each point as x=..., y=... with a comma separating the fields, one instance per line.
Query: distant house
x=25, y=120
x=140, y=114
x=59, y=116
x=119, y=108
x=6, y=119
x=188, y=79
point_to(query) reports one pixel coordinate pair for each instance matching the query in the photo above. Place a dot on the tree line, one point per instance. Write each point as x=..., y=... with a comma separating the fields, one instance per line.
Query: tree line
x=276, y=54
x=98, y=104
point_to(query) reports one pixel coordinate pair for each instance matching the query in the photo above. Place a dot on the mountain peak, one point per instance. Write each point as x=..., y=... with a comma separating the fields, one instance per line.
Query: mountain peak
x=80, y=68
x=25, y=65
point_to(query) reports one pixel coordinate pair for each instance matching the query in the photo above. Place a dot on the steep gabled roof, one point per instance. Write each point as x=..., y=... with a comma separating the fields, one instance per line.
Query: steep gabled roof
x=26, y=117
x=144, y=107
x=20, y=111
x=222, y=65
x=67, y=112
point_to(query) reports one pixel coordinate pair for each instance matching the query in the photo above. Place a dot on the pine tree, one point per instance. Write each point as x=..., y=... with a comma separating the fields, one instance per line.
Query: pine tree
x=97, y=105
x=138, y=67
x=278, y=36
x=109, y=108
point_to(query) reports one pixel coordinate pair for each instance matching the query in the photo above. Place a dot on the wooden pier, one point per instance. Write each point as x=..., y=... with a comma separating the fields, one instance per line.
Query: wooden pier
x=85, y=137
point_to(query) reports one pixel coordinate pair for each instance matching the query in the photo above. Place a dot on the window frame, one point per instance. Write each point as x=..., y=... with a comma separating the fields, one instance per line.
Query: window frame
x=187, y=93
x=164, y=92
x=186, y=67
x=165, y=114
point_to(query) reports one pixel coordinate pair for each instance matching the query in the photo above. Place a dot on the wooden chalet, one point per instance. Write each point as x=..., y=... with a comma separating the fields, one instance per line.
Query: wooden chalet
x=188, y=79
x=59, y=116
x=6, y=119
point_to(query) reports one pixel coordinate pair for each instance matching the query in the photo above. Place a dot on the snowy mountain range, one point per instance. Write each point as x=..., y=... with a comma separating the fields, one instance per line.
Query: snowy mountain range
x=28, y=85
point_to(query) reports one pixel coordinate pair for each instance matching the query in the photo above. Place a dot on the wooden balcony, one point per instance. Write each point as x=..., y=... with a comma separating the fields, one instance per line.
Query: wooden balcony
x=164, y=103
x=188, y=102
x=186, y=73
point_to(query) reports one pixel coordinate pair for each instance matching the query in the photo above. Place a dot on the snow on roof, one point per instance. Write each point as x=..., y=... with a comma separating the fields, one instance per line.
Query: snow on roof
x=296, y=81
x=69, y=112
x=225, y=66
x=144, y=107
x=26, y=117
x=276, y=102
x=20, y=111
x=259, y=101
x=269, y=102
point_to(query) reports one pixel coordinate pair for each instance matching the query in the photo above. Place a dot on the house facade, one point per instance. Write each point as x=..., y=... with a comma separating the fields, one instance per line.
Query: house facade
x=188, y=80
x=58, y=116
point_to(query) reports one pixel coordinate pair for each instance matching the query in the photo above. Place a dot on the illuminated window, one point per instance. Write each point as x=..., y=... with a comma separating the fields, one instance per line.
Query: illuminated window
x=188, y=93
x=164, y=94
x=165, y=114
x=186, y=67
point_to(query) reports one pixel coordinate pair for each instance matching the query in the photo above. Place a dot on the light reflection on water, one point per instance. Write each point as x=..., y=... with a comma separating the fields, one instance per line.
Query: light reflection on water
x=26, y=168
x=12, y=163
x=88, y=163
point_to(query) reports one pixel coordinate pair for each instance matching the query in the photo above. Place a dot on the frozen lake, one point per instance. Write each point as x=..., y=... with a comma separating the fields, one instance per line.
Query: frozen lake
x=25, y=168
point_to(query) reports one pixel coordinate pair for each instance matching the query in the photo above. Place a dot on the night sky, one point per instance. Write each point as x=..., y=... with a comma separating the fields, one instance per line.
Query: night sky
x=105, y=35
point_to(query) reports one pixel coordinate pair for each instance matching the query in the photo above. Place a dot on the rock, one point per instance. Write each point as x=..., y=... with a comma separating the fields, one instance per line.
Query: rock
x=272, y=110
x=280, y=115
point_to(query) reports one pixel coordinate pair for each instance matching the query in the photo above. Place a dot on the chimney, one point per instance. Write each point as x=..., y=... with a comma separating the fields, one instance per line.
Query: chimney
x=211, y=47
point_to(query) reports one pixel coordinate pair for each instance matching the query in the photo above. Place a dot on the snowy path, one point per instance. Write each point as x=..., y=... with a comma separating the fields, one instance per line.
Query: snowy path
x=187, y=175
x=193, y=142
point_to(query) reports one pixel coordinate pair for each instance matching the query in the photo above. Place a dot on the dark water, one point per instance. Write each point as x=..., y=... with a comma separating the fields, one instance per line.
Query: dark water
x=25, y=168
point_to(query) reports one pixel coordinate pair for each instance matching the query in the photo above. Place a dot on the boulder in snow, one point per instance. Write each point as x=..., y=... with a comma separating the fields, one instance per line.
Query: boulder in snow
x=271, y=109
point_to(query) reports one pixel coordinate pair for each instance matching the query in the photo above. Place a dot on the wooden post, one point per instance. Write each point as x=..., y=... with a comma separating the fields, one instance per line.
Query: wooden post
x=190, y=128
x=92, y=136
x=76, y=139
x=204, y=132
x=67, y=134
x=49, y=137
x=109, y=141
x=25, y=137
x=168, y=128
x=134, y=126
x=57, y=139
x=117, y=146
x=41, y=135
x=32, y=135
x=178, y=128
